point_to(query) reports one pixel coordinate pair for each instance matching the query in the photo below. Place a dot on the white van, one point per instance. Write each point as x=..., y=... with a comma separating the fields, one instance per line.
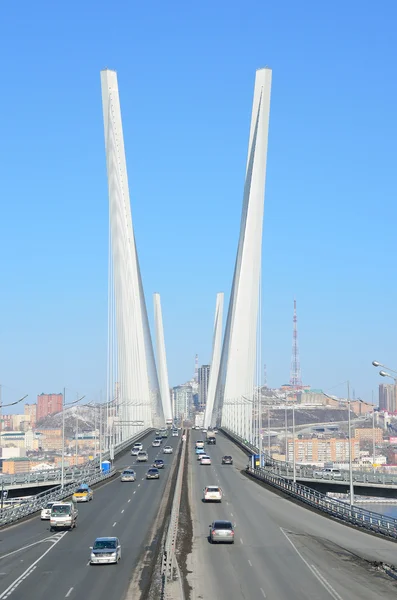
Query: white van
x=328, y=473
x=63, y=516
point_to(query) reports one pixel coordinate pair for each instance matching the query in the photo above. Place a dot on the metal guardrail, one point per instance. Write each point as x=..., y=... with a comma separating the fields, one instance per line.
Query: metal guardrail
x=91, y=475
x=10, y=515
x=172, y=532
x=283, y=468
x=359, y=517
x=70, y=473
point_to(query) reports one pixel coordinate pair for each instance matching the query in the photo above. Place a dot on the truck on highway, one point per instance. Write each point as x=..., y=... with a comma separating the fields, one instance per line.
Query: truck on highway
x=199, y=420
x=211, y=438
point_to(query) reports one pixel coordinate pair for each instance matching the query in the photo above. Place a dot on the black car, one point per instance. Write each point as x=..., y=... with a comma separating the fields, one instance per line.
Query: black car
x=159, y=463
x=153, y=474
x=227, y=460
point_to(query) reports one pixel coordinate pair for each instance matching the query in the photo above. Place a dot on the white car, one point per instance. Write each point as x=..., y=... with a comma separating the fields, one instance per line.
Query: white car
x=142, y=457
x=167, y=450
x=138, y=445
x=328, y=473
x=212, y=493
x=46, y=512
x=156, y=443
x=205, y=459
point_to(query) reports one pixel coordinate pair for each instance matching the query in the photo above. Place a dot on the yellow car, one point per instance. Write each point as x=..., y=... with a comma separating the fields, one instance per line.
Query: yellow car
x=83, y=494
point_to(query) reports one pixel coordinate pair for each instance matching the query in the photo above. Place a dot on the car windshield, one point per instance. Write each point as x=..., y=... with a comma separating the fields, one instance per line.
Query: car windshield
x=105, y=545
x=223, y=525
x=227, y=457
x=49, y=505
x=142, y=454
x=128, y=472
x=81, y=491
x=60, y=510
x=212, y=489
x=152, y=470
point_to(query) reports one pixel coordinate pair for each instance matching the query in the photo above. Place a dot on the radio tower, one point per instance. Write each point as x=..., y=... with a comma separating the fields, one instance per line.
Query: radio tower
x=296, y=377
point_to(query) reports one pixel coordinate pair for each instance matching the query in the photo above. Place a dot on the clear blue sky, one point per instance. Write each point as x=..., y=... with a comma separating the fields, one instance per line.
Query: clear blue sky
x=186, y=74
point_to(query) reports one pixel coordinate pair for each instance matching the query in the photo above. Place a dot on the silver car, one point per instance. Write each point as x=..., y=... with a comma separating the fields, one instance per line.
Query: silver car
x=167, y=450
x=128, y=475
x=105, y=550
x=142, y=457
x=222, y=531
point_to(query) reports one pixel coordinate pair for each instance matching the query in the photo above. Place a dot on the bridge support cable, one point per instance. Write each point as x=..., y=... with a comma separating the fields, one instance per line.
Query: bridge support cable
x=209, y=417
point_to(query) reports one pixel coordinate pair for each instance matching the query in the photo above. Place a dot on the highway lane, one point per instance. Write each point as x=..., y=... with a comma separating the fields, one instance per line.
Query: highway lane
x=31, y=531
x=274, y=555
x=125, y=510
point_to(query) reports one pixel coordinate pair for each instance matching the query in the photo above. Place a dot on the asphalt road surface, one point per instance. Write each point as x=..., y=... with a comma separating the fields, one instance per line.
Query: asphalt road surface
x=282, y=551
x=35, y=563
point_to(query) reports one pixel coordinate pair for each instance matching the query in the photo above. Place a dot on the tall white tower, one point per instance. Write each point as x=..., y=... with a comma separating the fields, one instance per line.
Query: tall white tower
x=162, y=359
x=135, y=371
x=235, y=388
x=215, y=361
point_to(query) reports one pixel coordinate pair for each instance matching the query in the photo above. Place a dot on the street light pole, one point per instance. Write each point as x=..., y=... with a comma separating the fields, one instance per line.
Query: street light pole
x=286, y=435
x=293, y=444
x=350, y=450
x=63, y=442
x=268, y=431
x=77, y=443
x=100, y=437
x=373, y=439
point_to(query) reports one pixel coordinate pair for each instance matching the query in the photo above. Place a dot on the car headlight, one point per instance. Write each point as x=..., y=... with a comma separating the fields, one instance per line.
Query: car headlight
x=113, y=554
x=92, y=556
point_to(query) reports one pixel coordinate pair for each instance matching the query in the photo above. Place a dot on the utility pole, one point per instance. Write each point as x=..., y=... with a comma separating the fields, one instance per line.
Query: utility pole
x=63, y=441
x=268, y=432
x=77, y=442
x=286, y=434
x=350, y=450
x=100, y=436
x=293, y=443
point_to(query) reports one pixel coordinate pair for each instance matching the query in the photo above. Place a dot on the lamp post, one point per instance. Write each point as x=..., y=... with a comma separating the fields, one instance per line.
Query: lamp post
x=293, y=444
x=63, y=435
x=268, y=431
x=286, y=435
x=350, y=449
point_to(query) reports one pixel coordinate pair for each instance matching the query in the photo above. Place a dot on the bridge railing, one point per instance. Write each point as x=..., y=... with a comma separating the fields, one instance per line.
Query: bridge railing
x=91, y=475
x=11, y=514
x=285, y=469
x=70, y=473
x=359, y=517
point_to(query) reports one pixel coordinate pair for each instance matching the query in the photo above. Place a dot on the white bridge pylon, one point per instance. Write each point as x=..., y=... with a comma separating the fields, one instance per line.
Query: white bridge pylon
x=235, y=390
x=132, y=370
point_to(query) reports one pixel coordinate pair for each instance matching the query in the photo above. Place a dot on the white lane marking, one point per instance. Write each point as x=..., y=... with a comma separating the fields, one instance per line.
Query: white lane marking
x=69, y=592
x=231, y=514
x=130, y=499
x=47, y=539
x=263, y=593
x=139, y=485
x=29, y=570
x=134, y=491
x=122, y=511
x=88, y=564
x=241, y=541
x=115, y=523
x=315, y=571
x=250, y=563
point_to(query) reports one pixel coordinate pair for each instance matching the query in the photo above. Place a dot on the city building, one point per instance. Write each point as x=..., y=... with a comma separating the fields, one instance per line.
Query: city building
x=387, y=397
x=203, y=379
x=12, y=466
x=31, y=412
x=51, y=439
x=18, y=420
x=316, y=450
x=182, y=401
x=6, y=422
x=369, y=434
x=48, y=404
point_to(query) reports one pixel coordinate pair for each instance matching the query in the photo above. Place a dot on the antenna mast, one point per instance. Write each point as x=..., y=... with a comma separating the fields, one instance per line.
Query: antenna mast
x=296, y=377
